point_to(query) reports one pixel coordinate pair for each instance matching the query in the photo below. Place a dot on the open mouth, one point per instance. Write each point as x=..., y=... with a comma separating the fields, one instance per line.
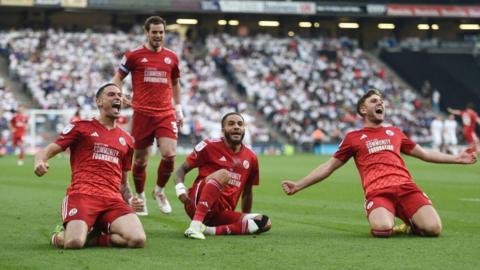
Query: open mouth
x=117, y=105
x=379, y=110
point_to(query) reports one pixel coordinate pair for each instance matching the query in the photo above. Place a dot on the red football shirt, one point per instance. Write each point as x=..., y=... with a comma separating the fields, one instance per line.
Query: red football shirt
x=377, y=156
x=152, y=76
x=98, y=157
x=19, y=122
x=469, y=119
x=212, y=155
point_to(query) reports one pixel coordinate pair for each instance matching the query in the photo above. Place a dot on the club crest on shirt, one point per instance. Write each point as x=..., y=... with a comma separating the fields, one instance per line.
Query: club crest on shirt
x=122, y=141
x=167, y=60
x=67, y=129
x=389, y=132
x=246, y=164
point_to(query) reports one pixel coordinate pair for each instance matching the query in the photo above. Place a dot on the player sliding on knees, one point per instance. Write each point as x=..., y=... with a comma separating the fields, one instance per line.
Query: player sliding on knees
x=388, y=186
x=99, y=197
x=227, y=169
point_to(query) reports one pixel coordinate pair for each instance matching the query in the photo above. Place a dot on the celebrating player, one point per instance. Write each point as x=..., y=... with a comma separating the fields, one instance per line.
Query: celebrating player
x=470, y=120
x=388, y=186
x=226, y=170
x=155, y=79
x=99, y=196
x=18, y=127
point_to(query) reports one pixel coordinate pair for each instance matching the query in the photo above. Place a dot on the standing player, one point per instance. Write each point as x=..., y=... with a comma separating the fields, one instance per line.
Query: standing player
x=227, y=169
x=155, y=79
x=436, y=129
x=450, y=134
x=101, y=156
x=470, y=120
x=388, y=186
x=18, y=127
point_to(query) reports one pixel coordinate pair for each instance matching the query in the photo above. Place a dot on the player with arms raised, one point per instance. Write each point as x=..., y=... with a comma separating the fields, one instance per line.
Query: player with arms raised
x=227, y=169
x=99, y=196
x=470, y=121
x=388, y=186
x=155, y=79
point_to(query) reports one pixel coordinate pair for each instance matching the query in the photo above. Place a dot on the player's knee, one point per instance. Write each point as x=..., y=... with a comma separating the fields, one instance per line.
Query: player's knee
x=433, y=229
x=259, y=224
x=381, y=229
x=74, y=243
x=137, y=241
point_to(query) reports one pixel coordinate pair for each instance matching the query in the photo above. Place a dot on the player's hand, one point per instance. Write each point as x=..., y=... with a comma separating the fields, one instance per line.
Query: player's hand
x=289, y=187
x=467, y=156
x=126, y=100
x=179, y=115
x=184, y=199
x=41, y=168
x=136, y=203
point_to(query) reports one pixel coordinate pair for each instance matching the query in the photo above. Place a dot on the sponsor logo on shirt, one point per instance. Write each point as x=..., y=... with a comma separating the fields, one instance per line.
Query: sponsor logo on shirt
x=222, y=158
x=105, y=153
x=94, y=134
x=363, y=137
x=144, y=60
x=152, y=75
x=375, y=145
x=235, y=179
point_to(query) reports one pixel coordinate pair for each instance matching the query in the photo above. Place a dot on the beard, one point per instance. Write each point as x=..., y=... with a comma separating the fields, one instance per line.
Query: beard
x=232, y=141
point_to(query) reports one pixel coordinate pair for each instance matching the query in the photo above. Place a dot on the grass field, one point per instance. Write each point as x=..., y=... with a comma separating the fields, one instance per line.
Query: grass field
x=323, y=227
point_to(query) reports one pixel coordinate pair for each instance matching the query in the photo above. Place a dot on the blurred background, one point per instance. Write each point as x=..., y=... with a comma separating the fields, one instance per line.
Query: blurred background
x=294, y=69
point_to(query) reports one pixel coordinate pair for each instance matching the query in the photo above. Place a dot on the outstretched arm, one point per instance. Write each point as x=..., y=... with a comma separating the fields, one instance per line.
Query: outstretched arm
x=467, y=156
x=41, y=158
x=454, y=111
x=118, y=80
x=317, y=175
x=180, y=188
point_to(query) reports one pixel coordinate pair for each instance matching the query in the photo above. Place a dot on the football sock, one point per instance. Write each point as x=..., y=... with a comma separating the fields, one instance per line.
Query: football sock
x=210, y=193
x=139, y=174
x=381, y=233
x=237, y=228
x=164, y=170
x=104, y=240
x=22, y=154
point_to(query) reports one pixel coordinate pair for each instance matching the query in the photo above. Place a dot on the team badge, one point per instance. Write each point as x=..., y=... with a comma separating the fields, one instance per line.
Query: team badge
x=122, y=141
x=73, y=212
x=167, y=60
x=246, y=164
x=389, y=132
x=67, y=129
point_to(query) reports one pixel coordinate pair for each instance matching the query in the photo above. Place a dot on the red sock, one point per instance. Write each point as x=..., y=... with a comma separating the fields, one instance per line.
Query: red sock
x=22, y=154
x=210, y=194
x=139, y=174
x=239, y=227
x=164, y=170
x=104, y=240
x=381, y=233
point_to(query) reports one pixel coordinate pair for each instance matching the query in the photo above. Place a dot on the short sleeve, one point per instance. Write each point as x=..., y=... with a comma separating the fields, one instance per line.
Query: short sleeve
x=407, y=145
x=127, y=160
x=126, y=64
x=345, y=149
x=199, y=156
x=68, y=136
x=175, y=69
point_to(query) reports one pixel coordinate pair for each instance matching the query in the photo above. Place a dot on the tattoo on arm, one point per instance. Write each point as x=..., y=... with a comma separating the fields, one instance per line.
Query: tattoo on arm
x=125, y=188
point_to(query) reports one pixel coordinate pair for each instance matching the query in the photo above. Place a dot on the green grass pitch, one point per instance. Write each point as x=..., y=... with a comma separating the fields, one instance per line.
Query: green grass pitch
x=323, y=227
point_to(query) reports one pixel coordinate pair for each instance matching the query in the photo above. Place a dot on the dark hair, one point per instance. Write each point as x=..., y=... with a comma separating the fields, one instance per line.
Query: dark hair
x=228, y=114
x=153, y=20
x=361, y=101
x=100, y=90
x=470, y=106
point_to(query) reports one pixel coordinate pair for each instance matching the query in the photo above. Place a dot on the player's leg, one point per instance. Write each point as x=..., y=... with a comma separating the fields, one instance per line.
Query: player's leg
x=427, y=222
x=168, y=148
x=166, y=134
x=75, y=234
x=127, y=231
x=236, y=223
x=210, y=193
x=381, y=222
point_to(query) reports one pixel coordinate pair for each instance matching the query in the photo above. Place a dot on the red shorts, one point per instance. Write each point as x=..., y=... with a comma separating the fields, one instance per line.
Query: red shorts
x=146, y=128
x=17, y=140
x=470, y=137
x=403, y=201
x=219, y=214
x=94, y=210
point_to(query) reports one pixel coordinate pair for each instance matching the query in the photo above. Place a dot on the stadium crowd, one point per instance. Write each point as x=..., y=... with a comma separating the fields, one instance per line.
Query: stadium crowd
x=302, y=85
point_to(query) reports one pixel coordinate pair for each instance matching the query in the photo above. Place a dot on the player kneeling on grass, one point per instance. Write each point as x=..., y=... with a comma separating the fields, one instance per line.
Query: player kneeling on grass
x=226, y=170
x=99, y=202
x=388, y=186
